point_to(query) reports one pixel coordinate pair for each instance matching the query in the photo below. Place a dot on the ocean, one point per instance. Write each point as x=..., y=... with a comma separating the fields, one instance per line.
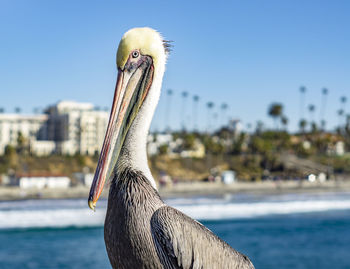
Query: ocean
x=275, y=231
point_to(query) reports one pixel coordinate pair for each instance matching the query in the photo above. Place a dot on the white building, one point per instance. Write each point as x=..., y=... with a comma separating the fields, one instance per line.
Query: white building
x=42, y=147
x=339, y=148
x=66, y=128
x=155, y=141
x=31, y=127
x=228, y=177
x=44, y=182
x=76, y=127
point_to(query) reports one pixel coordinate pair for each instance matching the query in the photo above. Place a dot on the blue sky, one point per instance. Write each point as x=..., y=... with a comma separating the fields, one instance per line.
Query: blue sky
x=245, y=53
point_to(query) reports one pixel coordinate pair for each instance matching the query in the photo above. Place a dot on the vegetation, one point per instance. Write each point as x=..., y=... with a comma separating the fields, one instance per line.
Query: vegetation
x=254, y=155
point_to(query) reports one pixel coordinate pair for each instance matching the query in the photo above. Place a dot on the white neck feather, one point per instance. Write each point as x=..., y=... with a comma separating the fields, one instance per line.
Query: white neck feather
x=134, y=150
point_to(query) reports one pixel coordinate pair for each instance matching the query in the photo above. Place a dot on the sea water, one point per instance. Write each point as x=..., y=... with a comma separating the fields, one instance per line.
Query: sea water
x=275, y=231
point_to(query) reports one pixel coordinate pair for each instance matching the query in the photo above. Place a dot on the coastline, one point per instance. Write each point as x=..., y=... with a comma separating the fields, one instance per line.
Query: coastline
x=188, y=189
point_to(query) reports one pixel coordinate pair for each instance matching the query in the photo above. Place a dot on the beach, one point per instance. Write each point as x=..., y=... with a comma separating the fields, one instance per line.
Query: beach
x=187, y=189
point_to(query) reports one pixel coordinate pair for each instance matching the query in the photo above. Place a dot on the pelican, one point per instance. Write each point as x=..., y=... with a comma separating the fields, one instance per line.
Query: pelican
x=140, y=230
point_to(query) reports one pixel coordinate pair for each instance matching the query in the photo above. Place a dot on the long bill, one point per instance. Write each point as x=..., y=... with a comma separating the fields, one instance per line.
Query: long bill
x=130, y=91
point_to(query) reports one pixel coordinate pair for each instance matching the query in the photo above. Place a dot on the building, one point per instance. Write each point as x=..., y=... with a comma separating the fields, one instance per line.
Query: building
x=13, y=126
x=66, y=128
x=228, y=177
x=42, y=147
x=174, y=147
x=76, y=127
x=155, y=141
x=28, y=182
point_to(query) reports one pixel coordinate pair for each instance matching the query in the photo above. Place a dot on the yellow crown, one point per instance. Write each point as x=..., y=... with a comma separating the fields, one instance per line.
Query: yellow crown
x=147, y=40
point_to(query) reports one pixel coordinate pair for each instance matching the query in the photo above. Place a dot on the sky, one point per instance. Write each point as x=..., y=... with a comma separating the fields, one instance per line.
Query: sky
x=247, y=54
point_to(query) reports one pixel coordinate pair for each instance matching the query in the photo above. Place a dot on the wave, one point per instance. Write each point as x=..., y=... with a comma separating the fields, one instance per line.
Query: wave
x=67, y=213
x=251, y=210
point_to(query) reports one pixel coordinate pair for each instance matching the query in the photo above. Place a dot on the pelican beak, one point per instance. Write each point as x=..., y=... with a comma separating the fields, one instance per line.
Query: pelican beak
x=133, y=84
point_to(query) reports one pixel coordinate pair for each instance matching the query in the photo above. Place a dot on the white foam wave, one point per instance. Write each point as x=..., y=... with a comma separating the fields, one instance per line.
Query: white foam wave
x=250, y=210
x=47, y=213
x=50, y=218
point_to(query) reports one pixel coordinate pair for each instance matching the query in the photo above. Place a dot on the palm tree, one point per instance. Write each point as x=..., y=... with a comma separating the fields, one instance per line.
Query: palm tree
x=323, y=108
x=343, y=101
x=215, y=120
x=184, y=95
x=302, y=90
x=312, y=108
x=275, y=112
x=195, y=108
x=347, y=124
x=167, y=112
x=223, y=107
x=340, y=113
x=302, y=125
x=210, y=106
x=284, y=121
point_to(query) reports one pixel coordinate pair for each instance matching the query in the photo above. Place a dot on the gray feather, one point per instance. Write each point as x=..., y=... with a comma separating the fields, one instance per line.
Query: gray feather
x=182, y=242
x=143, y=232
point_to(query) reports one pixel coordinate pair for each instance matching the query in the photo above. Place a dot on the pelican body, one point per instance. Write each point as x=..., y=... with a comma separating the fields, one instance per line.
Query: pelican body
x=140, y=230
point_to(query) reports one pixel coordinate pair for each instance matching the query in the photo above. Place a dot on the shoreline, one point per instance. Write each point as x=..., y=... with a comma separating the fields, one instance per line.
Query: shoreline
x=188, y=189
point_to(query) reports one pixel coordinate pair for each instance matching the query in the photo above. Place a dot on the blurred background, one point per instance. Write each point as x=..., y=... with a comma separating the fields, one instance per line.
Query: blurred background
x=251, y=135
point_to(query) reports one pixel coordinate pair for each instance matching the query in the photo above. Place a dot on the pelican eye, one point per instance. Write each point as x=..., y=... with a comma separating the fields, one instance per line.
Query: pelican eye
x=135, y=54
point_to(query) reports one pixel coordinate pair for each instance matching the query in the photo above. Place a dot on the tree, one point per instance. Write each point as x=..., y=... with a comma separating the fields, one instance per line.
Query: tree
x=343, y=101
x=284, y=121
x=188, y=141
x=184, y=95
x=302, y=125
x=323, y=108
x=163, y=149
x=195, y=108
x=340, y=113
x=9, y=150
x=11, y=157
x=210, y=106
x=312, y=108
x=224, y=108
x=238, y=143
x=275, y=112
x=314, y=127
x=168, y=110
x=21, y=143
x=17, y=110
x=302, y=90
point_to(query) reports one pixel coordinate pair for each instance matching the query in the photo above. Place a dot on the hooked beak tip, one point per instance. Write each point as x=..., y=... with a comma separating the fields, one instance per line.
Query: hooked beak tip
x=92, y=205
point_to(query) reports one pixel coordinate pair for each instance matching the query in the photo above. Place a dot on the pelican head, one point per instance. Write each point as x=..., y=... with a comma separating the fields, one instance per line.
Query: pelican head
x=141, y=60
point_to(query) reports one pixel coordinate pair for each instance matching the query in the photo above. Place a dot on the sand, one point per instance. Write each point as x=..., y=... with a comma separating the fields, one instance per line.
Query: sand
x=187, y=189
